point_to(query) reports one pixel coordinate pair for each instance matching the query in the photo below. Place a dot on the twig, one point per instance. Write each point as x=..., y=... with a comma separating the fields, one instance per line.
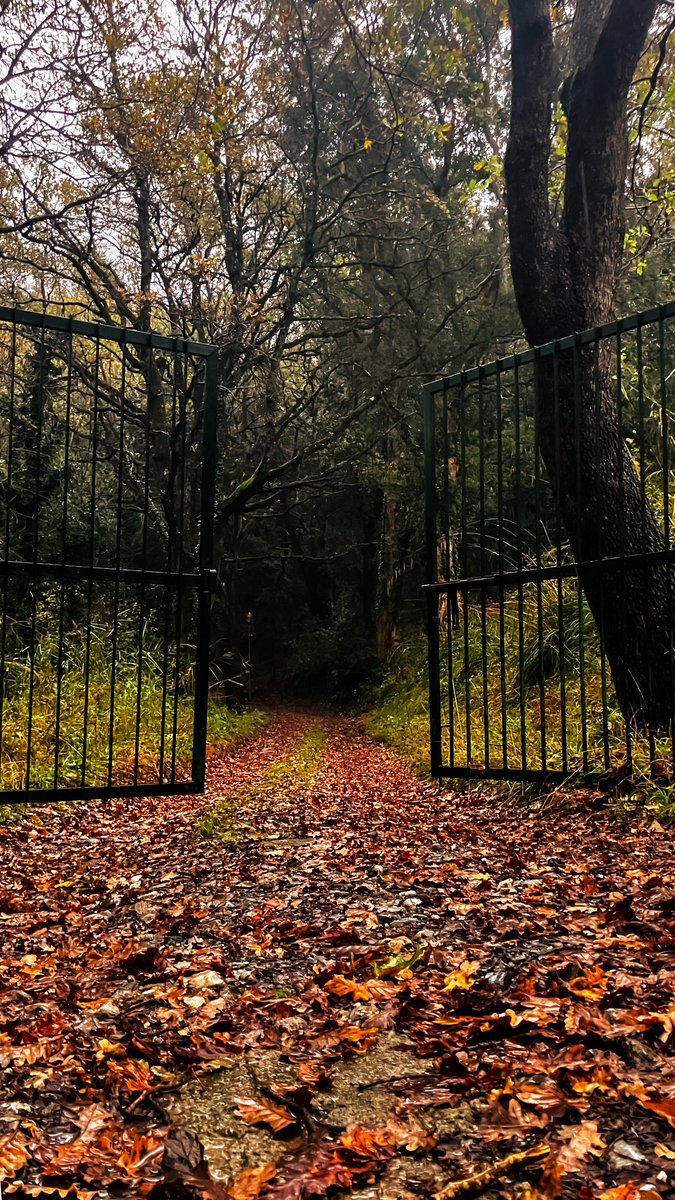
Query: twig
x=478, y=1182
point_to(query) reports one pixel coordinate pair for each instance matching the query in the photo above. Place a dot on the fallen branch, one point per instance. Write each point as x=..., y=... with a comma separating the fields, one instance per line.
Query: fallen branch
x=483, y=1179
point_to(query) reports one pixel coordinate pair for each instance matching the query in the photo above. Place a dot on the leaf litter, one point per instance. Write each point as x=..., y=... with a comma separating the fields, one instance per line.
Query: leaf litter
x=375, y=987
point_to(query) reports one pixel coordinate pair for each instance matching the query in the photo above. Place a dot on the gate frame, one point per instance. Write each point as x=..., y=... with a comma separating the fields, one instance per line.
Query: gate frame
x=434, y=588
x=204, y=580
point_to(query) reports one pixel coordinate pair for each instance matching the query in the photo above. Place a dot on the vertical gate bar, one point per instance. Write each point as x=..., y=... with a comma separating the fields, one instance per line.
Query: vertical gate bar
x=168, y=589
x=118, y=560
x=451, y=597
x=433, y=637
x=537, y=551
x=64, y=549
x=206, y=564
x=651, y=739
x=576, y=400
x=465, y=572
x=445, y=549
x=36, y=555
x=665, y=424
x=518, y=486
x=8, y=528
x=502, y=567
x=182, y=407
x=483, y=567
x=444, y=555
x=558, y=558
x=92, y=551
x=620, y=466
x=598, y=507
x=150, y=368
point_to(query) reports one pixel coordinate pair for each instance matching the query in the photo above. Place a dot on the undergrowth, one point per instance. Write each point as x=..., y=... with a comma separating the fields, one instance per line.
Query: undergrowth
x=11, y=814
x=400, y=715
x=87, y=724
x=297, y=770
x=544, y=658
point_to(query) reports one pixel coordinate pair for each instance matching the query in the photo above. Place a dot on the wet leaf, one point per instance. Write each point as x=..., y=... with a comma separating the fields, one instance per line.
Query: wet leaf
x=251, y=1182
x=263, y=1112
x=14, y=1154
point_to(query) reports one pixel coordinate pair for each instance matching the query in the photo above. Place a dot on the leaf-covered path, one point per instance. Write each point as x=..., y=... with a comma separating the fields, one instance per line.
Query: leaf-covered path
x=341, y=979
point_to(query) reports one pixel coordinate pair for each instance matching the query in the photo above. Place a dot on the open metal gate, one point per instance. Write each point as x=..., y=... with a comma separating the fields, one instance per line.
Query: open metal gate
x=107, y=484
x=519, y=678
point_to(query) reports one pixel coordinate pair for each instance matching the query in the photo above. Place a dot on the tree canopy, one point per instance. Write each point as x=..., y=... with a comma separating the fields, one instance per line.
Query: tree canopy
x=318, y=190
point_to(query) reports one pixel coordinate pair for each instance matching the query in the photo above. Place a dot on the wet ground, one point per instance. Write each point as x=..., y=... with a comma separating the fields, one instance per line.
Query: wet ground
x=329, y=976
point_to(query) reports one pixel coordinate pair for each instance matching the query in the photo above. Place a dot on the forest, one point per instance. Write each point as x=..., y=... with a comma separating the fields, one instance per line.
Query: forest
x=277, y=552
x=320, y=196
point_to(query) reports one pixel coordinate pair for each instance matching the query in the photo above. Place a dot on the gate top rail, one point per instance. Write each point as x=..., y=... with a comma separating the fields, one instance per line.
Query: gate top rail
x=485, y=370
x=109, y=333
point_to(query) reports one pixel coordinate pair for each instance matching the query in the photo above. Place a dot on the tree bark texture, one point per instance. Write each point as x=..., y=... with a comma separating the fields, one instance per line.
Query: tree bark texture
x=565, y=278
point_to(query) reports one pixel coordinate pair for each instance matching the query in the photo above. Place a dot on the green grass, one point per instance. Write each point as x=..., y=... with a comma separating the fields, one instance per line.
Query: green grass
x=400, y=715
x=12, y=814
x=149, y=691
x=294, y=772
x=540, y=680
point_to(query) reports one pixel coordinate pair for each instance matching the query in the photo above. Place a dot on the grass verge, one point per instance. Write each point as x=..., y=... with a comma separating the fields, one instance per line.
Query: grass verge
x=400, y=715
x=83, y=715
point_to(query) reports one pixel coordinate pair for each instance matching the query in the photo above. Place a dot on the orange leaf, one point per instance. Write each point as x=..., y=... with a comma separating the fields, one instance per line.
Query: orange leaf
x=412, y=1136
x=581, y=1142
x=372, y=1144
x=313, y=1073
x=256, y=1112
x=14, y=1154
x=630, y=1191
x=663, y=1108
x=462, y=978
x=249, y=1184
x=592, y=985
x=340, y=986
x=134, y=1075
x=39, y=1190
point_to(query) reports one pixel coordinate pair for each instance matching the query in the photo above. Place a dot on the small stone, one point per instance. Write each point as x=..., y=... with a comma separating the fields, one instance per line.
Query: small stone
x=623, y=1155
x=204, y=980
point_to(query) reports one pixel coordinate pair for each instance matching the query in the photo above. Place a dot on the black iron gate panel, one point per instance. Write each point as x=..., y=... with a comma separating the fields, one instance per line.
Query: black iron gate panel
x=526, y=677
x=107, y=463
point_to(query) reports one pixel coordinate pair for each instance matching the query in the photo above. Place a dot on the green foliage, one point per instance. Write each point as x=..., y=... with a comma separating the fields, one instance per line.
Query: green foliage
x=12, y=814
x=400, y=715
x=542, y=664
x=147, y=690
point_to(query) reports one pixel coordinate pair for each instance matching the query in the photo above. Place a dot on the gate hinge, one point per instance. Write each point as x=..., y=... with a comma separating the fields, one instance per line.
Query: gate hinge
x=209, y=581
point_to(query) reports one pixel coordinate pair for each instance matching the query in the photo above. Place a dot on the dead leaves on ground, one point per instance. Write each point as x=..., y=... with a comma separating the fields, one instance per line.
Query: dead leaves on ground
x=530, y=964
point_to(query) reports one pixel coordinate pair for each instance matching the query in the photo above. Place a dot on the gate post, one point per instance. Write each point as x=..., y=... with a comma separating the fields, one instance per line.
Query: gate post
x=433, y=623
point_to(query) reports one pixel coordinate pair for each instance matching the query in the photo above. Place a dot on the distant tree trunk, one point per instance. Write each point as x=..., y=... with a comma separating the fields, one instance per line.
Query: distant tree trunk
x=388, y=578
x=565, y=278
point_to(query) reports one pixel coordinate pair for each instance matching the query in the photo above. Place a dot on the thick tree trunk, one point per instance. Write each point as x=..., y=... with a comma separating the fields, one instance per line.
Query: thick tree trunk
x=565, y=277
x=606, y=516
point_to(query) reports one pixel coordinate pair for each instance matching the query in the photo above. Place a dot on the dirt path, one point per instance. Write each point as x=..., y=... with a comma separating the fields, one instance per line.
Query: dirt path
x=333, y=976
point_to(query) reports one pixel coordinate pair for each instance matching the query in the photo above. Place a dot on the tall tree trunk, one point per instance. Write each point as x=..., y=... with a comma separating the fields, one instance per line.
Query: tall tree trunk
x=565, y=277
x=606, y=516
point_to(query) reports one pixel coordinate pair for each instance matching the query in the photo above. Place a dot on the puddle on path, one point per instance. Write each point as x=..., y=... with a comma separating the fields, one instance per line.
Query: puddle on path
x=207, y=1106
x=360, y=1093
